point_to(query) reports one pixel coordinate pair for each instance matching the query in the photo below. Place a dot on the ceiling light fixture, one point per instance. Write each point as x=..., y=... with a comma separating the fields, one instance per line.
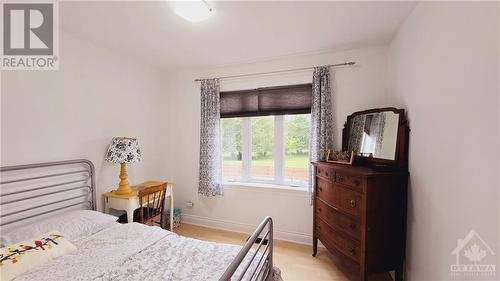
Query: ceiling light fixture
x=193, y=11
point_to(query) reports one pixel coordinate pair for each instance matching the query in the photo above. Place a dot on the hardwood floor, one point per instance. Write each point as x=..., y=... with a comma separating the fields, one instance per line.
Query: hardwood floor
x=294, y=260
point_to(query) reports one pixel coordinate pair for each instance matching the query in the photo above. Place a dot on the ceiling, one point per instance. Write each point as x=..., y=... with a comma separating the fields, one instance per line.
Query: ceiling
x=237, y=32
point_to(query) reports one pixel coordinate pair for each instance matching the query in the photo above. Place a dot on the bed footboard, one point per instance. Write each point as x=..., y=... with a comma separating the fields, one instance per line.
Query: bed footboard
x=256, y=264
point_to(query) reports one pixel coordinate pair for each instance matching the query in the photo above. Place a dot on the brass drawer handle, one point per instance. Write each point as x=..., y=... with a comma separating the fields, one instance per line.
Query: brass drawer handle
x=352, y=251
x=353, y=203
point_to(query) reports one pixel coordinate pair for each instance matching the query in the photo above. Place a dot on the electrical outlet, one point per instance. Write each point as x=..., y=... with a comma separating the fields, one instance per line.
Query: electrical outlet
x=189, y=204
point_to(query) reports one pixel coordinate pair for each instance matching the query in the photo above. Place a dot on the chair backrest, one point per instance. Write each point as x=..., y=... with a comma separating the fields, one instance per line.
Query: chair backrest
x=152, y=201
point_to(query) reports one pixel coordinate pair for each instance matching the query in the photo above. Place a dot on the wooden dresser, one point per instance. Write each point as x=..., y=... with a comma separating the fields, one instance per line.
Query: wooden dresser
x=359, y=215
x=360, y=209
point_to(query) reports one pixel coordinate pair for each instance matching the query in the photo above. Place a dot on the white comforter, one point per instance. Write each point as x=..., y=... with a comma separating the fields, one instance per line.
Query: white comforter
x=138, y=252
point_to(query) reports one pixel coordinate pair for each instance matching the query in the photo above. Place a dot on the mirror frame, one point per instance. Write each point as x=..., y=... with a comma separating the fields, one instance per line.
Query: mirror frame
x=401, y=156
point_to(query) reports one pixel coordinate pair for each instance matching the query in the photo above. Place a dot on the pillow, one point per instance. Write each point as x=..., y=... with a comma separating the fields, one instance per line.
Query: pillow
x=75, y=225
x=22, y=257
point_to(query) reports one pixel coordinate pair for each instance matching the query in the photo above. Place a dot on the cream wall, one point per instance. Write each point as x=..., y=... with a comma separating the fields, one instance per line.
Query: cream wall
x=445, y=72
x=444, y=69
x=75, y=111
x=362, y=86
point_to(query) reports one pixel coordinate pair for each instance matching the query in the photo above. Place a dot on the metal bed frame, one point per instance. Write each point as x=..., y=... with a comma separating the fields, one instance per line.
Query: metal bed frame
x=19, y=187
x=263, y=269
x=78, y=176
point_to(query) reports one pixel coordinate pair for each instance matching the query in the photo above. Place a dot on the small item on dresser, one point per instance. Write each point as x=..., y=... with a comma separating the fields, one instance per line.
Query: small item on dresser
x=340, y=156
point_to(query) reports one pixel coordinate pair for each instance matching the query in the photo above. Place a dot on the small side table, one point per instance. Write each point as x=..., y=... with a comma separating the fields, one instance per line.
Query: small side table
x=130, y=202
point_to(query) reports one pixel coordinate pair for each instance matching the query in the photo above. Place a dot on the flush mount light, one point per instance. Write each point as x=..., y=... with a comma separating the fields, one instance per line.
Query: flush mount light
x=193, y=11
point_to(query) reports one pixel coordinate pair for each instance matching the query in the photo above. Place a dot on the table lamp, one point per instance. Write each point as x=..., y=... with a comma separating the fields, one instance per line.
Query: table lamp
x=124, y=151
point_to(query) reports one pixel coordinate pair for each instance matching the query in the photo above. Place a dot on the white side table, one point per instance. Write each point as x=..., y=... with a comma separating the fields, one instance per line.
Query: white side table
x=130, y=202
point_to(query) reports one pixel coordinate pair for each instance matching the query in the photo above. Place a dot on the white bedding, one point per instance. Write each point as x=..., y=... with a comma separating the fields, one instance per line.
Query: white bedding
x=138, y=252
x=74, y=224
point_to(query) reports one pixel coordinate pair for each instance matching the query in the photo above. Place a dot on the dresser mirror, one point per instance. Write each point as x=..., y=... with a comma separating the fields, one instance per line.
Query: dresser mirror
x=376, y=135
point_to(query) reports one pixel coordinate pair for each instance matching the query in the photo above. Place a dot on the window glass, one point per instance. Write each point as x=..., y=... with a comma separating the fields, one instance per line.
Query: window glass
x=275, y=148
x=262, y=132
x=297, y=133
x=231, y=149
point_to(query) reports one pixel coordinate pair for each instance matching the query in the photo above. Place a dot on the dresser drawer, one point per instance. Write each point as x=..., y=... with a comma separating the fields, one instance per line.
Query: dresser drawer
x=345, y=200
x=337, y=240
x=349, y=180
x=325, y=172
x=337, y=220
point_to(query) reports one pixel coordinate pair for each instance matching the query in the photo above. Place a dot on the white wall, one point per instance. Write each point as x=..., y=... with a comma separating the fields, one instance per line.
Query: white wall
x=241, y=208
x=445, y=72
x=75, y=111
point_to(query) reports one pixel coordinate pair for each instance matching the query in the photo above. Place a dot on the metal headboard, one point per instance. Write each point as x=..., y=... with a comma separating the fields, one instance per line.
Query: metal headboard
x=34, y=190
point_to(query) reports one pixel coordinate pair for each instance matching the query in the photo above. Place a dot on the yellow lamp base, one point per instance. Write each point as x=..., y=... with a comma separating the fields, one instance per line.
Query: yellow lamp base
x=123, y=187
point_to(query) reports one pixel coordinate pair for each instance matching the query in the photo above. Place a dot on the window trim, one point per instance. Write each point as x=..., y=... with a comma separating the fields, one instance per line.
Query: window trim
x=279, y=157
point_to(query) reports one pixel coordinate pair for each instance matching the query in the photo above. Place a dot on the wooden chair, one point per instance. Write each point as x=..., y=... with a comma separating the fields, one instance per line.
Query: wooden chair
x=152, y=202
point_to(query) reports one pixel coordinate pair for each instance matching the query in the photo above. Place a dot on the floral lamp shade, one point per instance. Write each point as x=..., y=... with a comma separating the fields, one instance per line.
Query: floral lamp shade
x=124, y=150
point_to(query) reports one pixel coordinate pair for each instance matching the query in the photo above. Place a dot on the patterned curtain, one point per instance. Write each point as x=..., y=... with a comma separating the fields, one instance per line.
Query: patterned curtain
x=378, y=125
x=321, y=119
x=210, y=169
x=356, y=133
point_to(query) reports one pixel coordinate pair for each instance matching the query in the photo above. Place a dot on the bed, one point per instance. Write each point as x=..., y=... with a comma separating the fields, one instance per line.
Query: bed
x=37, y=198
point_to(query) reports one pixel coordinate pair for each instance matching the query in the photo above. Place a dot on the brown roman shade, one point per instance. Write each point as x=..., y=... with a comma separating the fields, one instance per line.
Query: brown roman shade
x=281, y=100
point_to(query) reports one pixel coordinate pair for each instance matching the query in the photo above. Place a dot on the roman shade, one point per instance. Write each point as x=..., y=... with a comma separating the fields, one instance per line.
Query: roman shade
x=281, y=100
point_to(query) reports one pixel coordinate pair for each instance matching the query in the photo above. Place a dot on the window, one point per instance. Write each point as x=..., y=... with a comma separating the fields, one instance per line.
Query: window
x=265, y=135
x=266, y=149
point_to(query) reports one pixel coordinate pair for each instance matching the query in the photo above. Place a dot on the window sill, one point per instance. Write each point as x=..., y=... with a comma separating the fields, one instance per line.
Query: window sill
x=263, y=186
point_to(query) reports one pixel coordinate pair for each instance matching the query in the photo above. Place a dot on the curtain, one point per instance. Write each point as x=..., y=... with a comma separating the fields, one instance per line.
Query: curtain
x=378, y=125
x=321, y=119
x=356, y=133
x=210, y=166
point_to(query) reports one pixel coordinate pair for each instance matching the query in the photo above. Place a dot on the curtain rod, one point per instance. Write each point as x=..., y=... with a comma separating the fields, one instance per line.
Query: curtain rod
x=279, y=71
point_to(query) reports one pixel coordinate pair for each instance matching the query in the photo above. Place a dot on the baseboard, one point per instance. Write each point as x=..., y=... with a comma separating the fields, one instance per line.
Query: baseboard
x=291, y=236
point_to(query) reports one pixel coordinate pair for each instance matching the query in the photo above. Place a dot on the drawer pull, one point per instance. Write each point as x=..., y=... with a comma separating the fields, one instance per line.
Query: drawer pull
x=320, y=188
x=318, y=226
x=353, y=203
x=352, y=251
x=340, y=178
x=319, y=209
